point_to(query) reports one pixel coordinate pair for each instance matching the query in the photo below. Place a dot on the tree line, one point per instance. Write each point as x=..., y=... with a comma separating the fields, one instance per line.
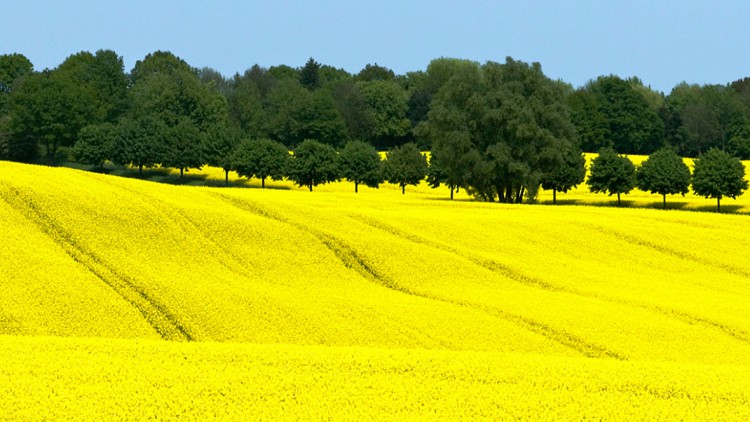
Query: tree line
x=498, y=130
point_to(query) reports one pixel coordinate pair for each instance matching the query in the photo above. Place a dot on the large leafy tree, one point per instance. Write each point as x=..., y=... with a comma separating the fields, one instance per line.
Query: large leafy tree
x=354, y=109
x=717, y=175
x=219, y=144
x=295, y=114
x=388, y=103
x=702, y=117
x=405, y=165
x=165, y=88
x=95, y=143
x=13, y=68
x=313, y=163
x=499, y=118
x=611, y=173
x=139, y=142
x=245, y=103
x=183, y=146
x=48, y=109
x=261, y=158
x=360, y=163
x=565, y=173
x=619, y=113
x=664, y=173
x=103, y=75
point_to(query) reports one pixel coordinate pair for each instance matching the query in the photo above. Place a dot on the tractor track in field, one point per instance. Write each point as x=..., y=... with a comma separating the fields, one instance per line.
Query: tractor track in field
x=534, y=282
x=352, y=259
x=155, y=313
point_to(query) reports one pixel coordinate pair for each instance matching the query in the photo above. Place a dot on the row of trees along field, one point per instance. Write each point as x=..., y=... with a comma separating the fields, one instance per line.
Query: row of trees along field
x=498, y=130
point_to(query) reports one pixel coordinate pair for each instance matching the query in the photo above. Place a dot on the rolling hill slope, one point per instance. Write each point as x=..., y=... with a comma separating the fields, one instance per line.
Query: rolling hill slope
x=617, y=307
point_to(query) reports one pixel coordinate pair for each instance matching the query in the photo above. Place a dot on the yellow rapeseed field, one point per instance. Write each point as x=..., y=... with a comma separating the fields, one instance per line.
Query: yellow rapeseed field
x=128, y=299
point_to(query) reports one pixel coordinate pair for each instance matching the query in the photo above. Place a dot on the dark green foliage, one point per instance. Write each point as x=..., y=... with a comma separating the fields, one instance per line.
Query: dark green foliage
x=452, y=162
x=352, y=105
x=262, y=158
x=139, y=142
x=219, y=144
x=664, y=173
x=618, y=113
x=103, y=75
x=295, y=114
x=246, y=106
x=48, y=109
x=717, y=175
x=405, y=165
x=375, y=73
x=313, y=164
x=95, y=143
x=566, y=171
x=493, y=122
x=388, y=104
x=159, y=62
x=308, y=75
x=702, y=117
x=359, y=162
x=183, y=146
x=612, y=174
x=13, y=68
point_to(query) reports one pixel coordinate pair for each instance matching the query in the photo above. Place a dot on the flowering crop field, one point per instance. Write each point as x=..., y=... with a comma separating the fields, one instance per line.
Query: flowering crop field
x=128, y=299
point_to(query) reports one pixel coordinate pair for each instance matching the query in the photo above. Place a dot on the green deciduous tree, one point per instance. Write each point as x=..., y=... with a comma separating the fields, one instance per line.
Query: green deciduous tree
x=219, y=144
x=261, y=158
x=246, y=105
x=664, y=173
x=499, y=118
x=388, y=103
x=360, y=163
x=95, y=143
x=618, y=113
x=49, y=109
x=702, y=117
x=405, y=165
x=295, y=114
x=612, y=174
x=139, y=142
x=718, y=175
x=183, y=146
x=313, y=163
x=567, y=172
x=375, y=72
x=13, y=68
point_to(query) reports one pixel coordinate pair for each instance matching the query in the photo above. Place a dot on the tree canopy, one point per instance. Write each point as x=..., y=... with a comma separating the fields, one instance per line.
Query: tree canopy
x=612, y=174
x=718, y=175
x=664, y=173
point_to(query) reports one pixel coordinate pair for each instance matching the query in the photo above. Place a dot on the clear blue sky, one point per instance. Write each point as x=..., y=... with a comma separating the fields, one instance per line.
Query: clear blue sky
x=662, y=42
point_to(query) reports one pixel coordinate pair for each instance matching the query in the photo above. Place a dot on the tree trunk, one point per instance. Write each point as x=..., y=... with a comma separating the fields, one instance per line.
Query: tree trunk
x=226, y=177
x=182, y=172
x=554, y=196
x=263, y=183
x=618, y=200
x=451, y=193
x=664, y=199
x=718, y=204
x=356, y=187
x=403, y=189
x=140, y=169
x=310, y=186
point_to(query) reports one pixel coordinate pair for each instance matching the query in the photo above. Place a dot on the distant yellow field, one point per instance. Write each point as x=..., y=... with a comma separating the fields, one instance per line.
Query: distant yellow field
x=122, y=298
